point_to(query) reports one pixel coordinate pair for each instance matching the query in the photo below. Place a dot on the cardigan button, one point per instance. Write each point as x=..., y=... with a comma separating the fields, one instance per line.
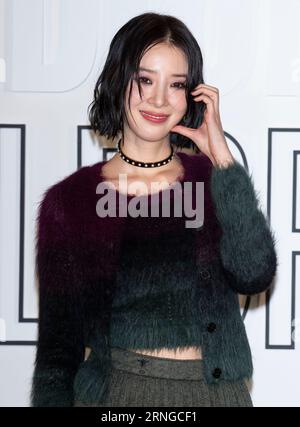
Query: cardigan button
x=211, y=327
x=217, y=372
x=205, y=274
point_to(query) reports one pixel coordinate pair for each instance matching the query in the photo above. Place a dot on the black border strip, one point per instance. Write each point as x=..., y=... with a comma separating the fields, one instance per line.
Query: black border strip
x=21, y=319
x=269, y=346
x=295, y=206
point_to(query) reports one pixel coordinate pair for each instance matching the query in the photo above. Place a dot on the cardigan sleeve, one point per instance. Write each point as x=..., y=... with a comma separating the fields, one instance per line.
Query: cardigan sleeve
x=60, y=346
x=247, y=243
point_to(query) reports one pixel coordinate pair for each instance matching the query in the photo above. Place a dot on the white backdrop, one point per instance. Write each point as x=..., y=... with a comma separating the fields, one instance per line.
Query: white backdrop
x=51, y=53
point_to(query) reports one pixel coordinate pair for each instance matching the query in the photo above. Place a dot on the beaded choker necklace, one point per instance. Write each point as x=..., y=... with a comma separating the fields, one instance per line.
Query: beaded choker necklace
x=143, y=164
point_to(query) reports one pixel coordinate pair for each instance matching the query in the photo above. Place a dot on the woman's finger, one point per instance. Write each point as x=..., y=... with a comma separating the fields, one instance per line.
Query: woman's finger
x=202, y=85
x=209, y=92
x=212, y=95
x=208, y=101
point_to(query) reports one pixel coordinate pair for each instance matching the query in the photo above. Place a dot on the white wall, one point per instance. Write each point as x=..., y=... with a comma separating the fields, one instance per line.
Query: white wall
x=51, y=53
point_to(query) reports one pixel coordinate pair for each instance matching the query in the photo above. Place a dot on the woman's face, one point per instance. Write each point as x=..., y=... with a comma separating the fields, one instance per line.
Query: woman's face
x=162, y=92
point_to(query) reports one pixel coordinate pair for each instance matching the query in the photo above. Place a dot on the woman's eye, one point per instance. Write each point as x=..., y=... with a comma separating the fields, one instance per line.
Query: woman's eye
x=143, y=78
x=183, y=85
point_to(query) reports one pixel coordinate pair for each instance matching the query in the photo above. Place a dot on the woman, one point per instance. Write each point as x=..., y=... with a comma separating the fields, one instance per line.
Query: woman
x=155, y=300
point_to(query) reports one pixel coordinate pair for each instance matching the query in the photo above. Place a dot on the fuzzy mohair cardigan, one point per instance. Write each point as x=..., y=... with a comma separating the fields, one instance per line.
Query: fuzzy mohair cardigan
x=89, y=266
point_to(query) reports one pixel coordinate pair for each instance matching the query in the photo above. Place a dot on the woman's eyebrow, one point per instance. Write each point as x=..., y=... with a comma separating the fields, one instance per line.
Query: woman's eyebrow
x=153, y=71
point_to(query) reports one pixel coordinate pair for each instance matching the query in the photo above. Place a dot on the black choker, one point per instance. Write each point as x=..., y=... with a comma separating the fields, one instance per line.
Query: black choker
x=142, y=164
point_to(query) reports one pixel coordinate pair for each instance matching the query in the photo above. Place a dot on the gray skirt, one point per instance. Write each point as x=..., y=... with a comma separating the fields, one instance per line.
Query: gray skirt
x=149, y=381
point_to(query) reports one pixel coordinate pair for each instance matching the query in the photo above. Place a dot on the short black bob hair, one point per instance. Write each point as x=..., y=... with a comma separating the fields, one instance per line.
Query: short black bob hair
x=125, y=53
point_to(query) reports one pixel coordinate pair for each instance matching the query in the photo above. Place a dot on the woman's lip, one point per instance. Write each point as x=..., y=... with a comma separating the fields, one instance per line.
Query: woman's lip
x=156, y=119
x=160, y=116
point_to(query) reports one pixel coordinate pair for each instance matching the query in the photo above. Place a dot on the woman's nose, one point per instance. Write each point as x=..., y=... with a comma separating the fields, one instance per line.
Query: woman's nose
x=158, y=96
